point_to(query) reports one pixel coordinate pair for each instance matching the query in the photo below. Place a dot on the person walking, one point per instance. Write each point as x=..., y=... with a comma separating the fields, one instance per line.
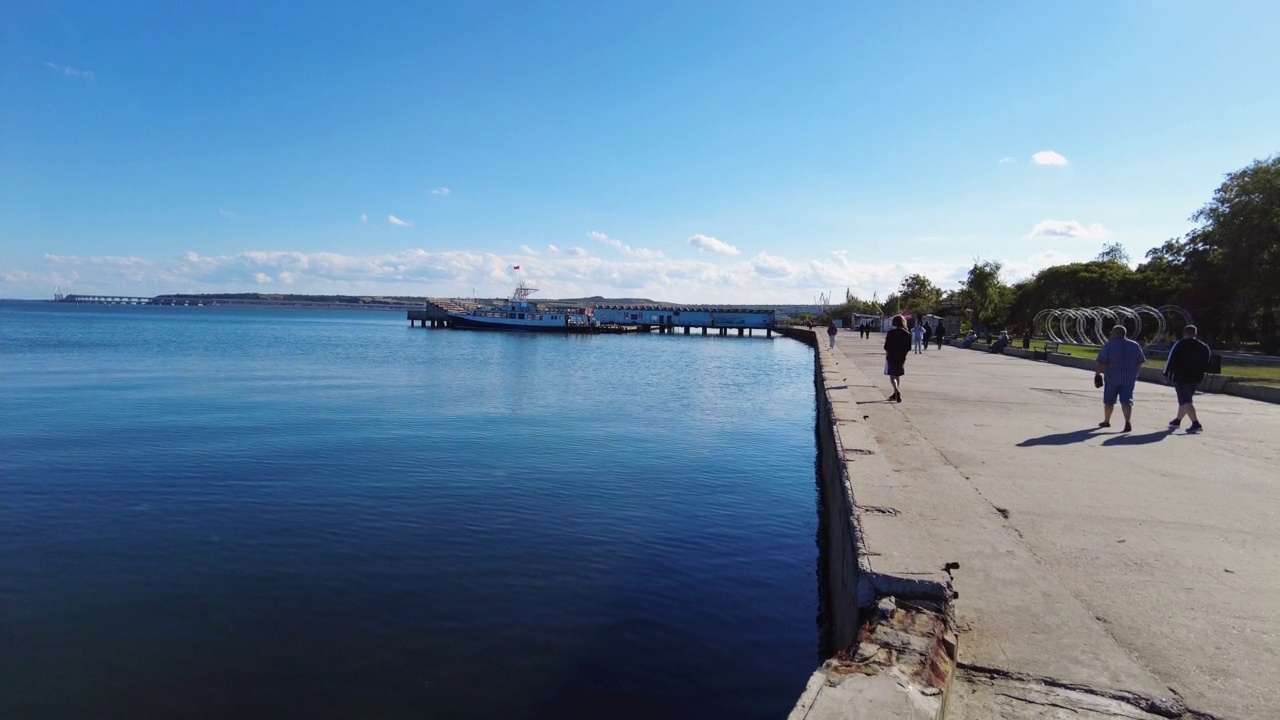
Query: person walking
x=928, y=335
x=1117, y=373
x=897, y=345
x=917, y=335
x=831, y=334
x=1185, y=368
x=939, y=333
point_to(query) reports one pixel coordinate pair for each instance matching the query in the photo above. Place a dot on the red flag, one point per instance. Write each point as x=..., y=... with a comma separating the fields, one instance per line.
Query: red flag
x=517, y=267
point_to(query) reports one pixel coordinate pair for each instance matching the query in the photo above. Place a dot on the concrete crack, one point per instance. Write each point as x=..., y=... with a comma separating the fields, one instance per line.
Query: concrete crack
x=1171, y=707
x=1038, y=702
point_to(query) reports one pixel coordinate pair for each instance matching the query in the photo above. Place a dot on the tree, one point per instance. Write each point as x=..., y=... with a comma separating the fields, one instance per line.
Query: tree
x=1164, y=277
x=917, y=295
x=1089, y=284
x=1239, y=241
x=983, y=295
x=1114, y=252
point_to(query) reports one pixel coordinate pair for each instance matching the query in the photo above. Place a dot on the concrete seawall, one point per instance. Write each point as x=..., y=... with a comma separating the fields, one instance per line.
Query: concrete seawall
x=989, y=551
x=888, y=618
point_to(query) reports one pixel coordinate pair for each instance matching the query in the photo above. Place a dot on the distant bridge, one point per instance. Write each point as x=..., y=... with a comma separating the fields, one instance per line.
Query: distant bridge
x=106, y=299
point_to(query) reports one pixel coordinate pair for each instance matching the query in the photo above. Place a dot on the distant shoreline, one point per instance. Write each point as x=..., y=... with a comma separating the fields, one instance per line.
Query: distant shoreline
x=368, y=302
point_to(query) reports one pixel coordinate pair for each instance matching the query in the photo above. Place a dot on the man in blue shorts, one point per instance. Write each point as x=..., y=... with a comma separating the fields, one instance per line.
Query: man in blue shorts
x=1118, y=365
x=1185, y=368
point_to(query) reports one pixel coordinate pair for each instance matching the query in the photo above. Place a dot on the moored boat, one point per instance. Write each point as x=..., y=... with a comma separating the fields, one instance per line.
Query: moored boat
x=519, y=314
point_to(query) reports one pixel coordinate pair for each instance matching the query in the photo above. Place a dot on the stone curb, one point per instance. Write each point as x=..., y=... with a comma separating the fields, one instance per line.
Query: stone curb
x=888, y=595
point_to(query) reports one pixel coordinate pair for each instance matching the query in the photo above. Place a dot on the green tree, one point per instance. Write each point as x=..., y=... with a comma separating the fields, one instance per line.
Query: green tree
x=983, y=295
x=1164, y=278
x=1088, y=284
x=1238, y=242
x=917, y=295
x=1114, y=252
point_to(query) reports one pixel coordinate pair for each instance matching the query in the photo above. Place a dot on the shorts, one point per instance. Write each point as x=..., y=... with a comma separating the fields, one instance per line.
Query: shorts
x=895, y=369
x=1185, y=392
x=1111, y=390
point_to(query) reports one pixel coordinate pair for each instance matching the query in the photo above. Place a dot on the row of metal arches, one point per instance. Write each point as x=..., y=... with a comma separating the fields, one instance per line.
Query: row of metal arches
x=1091, y=325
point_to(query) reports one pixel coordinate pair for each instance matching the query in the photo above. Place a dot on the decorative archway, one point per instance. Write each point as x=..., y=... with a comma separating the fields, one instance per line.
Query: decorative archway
x=1091, y=325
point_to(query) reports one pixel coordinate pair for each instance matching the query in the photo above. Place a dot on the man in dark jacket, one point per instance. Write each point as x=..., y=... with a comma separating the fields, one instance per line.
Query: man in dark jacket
x=1185, y=368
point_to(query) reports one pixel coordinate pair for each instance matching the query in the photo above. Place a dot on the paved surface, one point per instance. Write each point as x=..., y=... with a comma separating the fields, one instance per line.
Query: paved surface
x=1102, y=574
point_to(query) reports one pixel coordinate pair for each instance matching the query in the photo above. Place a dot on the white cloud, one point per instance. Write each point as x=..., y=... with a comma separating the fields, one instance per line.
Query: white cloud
x=1005, y=160
x=1068, y=229
x=553, y=249
x=398, y=222
x=706, y=243
x=1048, y=157
x=767, y=265
x=573, y=272
x=70, y=71
x=364, y=218
x=623, y=247
x=442, y=191
x=528, y=250
x=1015, y=270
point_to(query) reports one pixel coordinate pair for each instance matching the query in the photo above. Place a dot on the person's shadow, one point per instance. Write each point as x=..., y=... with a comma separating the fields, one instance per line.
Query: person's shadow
x=1065, y=438
x=1145, y=439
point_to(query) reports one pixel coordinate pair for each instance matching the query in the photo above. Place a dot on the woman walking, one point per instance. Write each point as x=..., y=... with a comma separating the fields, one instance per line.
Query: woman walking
x=831, y=333
x=897, y=345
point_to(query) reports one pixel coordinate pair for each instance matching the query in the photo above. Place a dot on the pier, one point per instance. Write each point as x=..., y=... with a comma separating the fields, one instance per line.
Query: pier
x=612, y=319
x=104, y=299
x=435, y=312
x=990, y=552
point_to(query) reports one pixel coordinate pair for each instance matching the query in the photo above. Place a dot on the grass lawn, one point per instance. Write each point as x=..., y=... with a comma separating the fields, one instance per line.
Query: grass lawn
x=1268, y=375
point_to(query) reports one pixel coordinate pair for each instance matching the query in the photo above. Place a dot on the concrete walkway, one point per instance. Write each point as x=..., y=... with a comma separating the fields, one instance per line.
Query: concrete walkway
x=1102, y=574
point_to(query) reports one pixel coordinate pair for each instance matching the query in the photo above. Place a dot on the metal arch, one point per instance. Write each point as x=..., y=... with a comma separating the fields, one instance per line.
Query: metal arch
x=1066, y=315
x=1082, y=317
x=1170, y=310
x=1154, y=337
x=1085, y=325
x=1124, y=313
x=1099, y=314
x=1043, y=319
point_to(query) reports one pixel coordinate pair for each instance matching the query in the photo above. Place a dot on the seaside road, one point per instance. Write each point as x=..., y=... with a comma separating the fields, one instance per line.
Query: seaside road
x=1128, y=567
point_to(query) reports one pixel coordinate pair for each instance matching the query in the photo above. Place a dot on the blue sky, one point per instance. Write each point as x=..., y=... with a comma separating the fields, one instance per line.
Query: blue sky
x=684, y=151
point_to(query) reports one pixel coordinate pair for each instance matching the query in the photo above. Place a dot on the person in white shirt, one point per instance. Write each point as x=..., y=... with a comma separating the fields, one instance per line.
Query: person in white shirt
x=917, y=337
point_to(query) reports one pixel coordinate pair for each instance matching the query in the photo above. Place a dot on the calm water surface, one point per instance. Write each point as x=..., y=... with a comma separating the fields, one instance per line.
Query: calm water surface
x=217, y=513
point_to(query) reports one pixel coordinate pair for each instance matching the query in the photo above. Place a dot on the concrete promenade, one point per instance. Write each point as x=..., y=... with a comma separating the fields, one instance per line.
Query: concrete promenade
x=1102, y=574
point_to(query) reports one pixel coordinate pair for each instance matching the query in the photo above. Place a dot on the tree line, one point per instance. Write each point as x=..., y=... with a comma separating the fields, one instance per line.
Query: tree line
x=1225, y=272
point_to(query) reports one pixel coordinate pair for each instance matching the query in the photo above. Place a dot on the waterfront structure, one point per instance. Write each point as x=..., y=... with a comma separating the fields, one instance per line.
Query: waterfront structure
x=103, y=299
x=668, y=317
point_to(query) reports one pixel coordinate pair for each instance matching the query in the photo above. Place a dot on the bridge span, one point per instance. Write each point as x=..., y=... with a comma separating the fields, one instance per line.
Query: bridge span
x=106, y=299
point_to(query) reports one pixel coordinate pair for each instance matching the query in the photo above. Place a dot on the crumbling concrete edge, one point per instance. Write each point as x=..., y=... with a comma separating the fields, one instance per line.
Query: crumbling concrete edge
x=894, y=632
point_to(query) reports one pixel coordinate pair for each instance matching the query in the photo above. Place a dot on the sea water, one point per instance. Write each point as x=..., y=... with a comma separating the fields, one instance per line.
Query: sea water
x=230, y=513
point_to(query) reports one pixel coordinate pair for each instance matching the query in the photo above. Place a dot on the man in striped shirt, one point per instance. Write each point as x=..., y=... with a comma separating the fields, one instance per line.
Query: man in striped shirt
x=1118, y=365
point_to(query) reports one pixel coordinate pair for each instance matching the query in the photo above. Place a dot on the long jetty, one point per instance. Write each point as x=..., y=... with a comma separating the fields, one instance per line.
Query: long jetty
x=437, y=313
x=991, y=553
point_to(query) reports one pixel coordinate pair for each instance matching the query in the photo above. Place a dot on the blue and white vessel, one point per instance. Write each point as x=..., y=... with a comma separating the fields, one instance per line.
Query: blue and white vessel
x=519, y=314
